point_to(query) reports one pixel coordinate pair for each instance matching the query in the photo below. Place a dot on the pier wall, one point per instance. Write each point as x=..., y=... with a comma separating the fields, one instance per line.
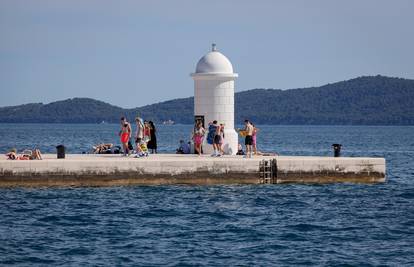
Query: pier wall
x=110, y=170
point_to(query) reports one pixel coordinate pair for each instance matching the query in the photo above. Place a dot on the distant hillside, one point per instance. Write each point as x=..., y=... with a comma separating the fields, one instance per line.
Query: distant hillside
x=365, y=100
x=370, y=100
x=76, y=110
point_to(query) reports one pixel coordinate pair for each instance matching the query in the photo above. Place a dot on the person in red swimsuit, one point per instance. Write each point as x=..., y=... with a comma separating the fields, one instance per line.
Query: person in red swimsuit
x=125, y=134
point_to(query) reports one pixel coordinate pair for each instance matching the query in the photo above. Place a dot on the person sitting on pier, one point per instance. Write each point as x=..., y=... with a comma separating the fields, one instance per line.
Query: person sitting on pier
x=36, y=154
x=184, y=148
x=143, y=150
x=240, y=151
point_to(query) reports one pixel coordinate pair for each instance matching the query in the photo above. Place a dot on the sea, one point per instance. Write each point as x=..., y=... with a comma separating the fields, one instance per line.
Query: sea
x=340, y=224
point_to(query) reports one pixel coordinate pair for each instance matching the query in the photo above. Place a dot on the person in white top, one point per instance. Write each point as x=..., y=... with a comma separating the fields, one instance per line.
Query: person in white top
x=139, y=134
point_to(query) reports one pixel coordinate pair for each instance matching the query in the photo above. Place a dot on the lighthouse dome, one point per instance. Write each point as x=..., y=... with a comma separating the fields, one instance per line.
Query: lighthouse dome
x=214, y=62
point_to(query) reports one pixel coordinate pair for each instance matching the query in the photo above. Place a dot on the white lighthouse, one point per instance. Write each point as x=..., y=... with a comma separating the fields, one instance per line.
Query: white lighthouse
x=214, y=96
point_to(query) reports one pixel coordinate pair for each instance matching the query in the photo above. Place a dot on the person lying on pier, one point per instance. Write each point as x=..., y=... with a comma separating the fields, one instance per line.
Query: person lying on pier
x=258, y=153
x=102, y=149
x=32, y=155
x=26, y=155
x=12, y=154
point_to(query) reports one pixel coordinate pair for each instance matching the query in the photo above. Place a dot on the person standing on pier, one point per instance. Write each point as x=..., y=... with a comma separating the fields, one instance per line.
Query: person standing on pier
x=254, y=139
x=152, y=143
x=139, y=135
x=198, y=136
x=221, y=138
x=217, y=142
x=147, y=132
x=249, y=138
x=211, y=137
x=125, y=134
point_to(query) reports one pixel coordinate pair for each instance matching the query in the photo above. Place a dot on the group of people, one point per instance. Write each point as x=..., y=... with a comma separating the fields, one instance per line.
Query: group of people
x=145, y=137
x=145, y=140
x=215, y=137
x=25, y=155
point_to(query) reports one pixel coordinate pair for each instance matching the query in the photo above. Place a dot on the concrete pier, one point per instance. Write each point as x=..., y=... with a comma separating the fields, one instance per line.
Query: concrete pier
x=111, y=170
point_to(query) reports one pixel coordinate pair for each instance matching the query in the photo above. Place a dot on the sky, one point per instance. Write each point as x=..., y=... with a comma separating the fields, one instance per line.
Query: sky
x=135, y=53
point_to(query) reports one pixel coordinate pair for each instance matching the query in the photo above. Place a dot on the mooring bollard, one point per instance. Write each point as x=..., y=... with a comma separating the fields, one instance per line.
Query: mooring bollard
x=337, y=150
x=60, y=149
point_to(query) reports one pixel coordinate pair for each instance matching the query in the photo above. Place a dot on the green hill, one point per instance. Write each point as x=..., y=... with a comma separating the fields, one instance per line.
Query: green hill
x=365, y=100
x=373, y=100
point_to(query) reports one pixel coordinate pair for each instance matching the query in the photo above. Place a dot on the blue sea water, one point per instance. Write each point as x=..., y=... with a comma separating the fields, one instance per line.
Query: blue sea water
x=257, y=225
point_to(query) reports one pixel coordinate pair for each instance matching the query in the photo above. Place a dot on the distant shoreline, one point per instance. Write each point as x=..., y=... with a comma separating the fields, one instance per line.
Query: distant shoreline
x=370, y=100
x=238, y=125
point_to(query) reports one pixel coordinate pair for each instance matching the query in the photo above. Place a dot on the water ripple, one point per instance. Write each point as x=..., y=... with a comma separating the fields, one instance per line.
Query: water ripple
x=280, y=225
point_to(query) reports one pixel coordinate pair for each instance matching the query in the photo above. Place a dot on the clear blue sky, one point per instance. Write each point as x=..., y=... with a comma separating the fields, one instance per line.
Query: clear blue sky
x=132, y=53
